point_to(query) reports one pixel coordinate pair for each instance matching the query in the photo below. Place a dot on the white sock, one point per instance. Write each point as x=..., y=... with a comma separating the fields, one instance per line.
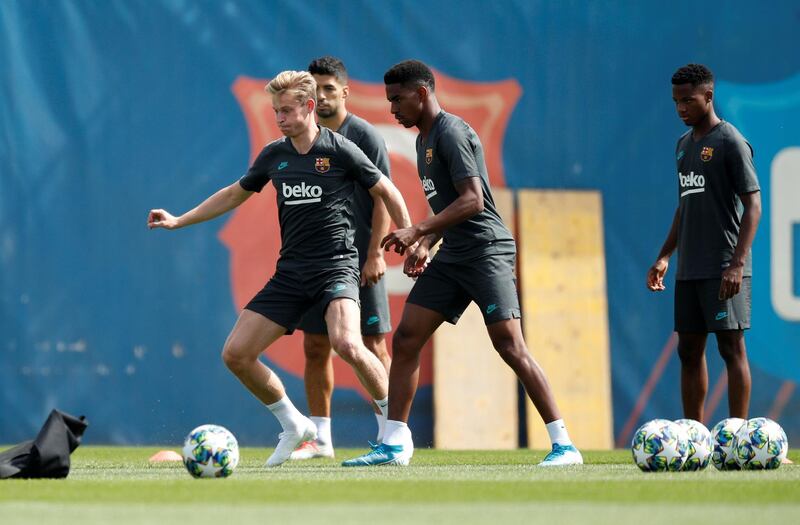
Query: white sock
x=323, y=429
x=397, y=433
x=558, y=432
x=288, y=416
x=383, y=406
x=381, y=427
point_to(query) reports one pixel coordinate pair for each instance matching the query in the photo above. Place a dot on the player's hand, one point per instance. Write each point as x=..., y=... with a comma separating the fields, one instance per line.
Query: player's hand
x=403, y=240
x=161, y=219
x=373, y=270
x=416, y=262
x=731, y=281
x=655, y=275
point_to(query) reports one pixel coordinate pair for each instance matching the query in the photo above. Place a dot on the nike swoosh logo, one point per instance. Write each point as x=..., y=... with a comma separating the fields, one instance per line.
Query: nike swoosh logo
x=491, y=308
x=721, y=315
x=282, y=165
x=372, y=320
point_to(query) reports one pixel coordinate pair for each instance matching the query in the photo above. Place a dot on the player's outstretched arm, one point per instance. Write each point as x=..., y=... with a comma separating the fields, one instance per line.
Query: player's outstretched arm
x=656, y=273
x=222, y=201
x=731, y=281
x=388, y=192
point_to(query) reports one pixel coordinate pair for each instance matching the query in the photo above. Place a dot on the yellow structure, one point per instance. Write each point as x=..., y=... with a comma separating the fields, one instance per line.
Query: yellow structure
x=562, y=280
x=474, y=391
x=565, y=310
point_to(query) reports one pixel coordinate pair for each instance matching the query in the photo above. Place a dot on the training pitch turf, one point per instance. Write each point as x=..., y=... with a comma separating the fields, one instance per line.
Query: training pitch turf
x=114, y=485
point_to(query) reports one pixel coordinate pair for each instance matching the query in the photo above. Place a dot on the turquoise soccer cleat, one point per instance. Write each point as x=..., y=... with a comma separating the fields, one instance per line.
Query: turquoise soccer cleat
x=381, y=455
x=562, y=455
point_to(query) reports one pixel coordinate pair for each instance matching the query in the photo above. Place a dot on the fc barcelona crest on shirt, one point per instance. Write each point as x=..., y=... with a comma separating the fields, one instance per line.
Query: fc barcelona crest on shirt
x=428, y=155
x=323, y=164
x=706, y=154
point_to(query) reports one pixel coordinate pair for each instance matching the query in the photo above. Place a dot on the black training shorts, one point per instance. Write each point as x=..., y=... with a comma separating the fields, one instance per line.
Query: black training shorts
x=699, y=309
x=293, y=291
x=375, y=319
x=448, y=288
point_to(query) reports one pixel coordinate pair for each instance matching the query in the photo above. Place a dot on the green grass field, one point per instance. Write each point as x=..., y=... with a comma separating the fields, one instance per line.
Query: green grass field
x=112, y=485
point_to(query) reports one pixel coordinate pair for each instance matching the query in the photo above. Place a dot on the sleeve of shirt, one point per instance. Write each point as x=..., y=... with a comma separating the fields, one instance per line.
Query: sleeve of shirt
x=359, y=167
x=257, y=175
x=373, y=145
x=455, y=148
x=739, y=164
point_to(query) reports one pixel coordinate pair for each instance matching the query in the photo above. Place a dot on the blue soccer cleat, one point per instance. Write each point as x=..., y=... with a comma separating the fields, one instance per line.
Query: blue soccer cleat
x=562, y=455
x=382, y=454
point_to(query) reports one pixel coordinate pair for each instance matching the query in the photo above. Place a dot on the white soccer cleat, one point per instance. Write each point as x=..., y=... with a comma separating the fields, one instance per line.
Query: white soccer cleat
x=289, y=441
x=561, y=456
x=311, y=450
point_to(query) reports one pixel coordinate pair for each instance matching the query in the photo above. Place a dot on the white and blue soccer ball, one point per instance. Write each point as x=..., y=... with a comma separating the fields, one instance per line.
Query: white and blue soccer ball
x=210, y=451
x=701, y=446
x=724, y=435
x=760, y=444
x=660, y=446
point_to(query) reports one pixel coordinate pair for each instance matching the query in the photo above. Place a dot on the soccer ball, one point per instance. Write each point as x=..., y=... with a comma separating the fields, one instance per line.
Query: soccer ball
x=723, y=435
x=210, y=451
x=760, y=444
x=700, y=444
x=659, y=446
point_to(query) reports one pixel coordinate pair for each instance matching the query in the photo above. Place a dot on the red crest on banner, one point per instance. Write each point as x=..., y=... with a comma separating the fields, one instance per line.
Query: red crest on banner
x=487, y=107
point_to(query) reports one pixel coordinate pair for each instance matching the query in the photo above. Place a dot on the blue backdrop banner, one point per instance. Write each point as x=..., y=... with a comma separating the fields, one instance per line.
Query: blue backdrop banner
x=109, y=109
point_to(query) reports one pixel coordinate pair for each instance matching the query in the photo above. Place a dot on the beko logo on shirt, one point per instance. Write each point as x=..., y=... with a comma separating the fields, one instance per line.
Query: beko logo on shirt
x=429, y=187
x=695, y=183
x=303, y=192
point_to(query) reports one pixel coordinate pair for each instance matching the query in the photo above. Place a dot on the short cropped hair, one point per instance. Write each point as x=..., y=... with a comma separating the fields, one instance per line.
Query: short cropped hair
x=694, y=74
x=329, y=65
x=410, y=72
x=298, y=83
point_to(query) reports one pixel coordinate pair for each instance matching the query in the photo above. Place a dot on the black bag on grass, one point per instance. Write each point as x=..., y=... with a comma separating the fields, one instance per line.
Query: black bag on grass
x=47, y=456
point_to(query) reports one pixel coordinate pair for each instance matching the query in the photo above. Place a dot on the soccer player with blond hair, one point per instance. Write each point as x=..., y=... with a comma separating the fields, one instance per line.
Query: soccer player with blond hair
x=314, y=172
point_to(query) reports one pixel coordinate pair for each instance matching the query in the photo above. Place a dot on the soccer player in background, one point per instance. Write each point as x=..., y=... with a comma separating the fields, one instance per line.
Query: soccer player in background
x=719, y=207
x=314, y=171
x=372, y=224
x=476, y=262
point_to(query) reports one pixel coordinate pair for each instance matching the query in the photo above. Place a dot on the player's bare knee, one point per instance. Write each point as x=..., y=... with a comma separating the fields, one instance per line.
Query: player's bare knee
x=405, y=343
x=316, y=350
x=234, y=358
x=690, y=355
x=731, y=346
x=511, y=351
x=732, y=355
x=318, y=358
x=347, y=348
x=691, y=348
x=377, y=345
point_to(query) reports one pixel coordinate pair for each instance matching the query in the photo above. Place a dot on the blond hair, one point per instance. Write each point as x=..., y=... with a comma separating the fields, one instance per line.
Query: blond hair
x=298, y=83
